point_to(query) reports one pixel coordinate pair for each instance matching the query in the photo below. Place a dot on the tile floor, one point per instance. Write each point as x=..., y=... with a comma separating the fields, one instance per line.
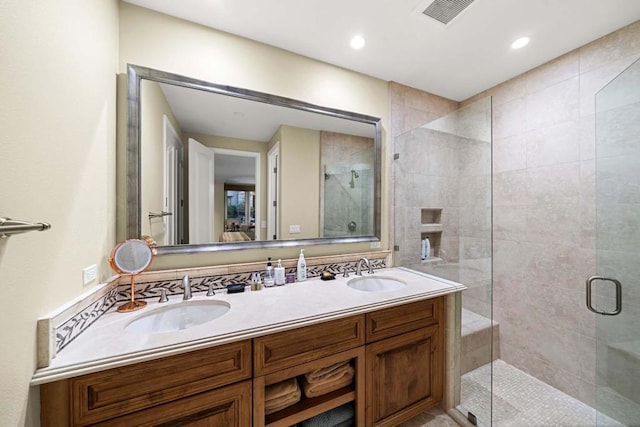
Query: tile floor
x=434, y=417
x=521, y=400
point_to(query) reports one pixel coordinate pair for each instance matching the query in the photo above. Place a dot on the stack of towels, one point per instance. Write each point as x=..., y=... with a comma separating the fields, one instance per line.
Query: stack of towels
x=328, y=379
x=281, y=395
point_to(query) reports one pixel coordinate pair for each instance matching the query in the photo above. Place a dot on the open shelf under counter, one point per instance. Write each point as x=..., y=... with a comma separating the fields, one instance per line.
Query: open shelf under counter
x=309, y=407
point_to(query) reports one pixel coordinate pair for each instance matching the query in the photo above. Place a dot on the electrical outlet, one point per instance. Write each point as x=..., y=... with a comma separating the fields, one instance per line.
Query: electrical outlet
x=89, y=274
x=294, y=229
x=375, y=245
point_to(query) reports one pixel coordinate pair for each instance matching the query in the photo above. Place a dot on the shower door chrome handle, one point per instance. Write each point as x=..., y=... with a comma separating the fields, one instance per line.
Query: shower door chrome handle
x=618, y=309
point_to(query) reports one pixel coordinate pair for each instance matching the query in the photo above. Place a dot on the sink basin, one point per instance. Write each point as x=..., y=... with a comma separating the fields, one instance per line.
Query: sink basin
x=177, y=317
x=375, y=284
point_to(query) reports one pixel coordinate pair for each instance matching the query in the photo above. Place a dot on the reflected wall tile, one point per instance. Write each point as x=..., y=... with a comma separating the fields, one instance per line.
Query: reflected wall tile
x=553, y=224
x=553, y=72
x=610, y=48
x=559, y=184
x=546, y=371
x=617, y=131
x=587, y=394
x=502, y=93
x=554, y=104
x=428, y=102
x=595, y=80
x=509, y=118
x=587, y=137
x=587, y=358
x=559, y=350
x=550, y=263
x=555, y=144
x=509, y=153
x=510, y=222
x=510, y=188
x=618, y=226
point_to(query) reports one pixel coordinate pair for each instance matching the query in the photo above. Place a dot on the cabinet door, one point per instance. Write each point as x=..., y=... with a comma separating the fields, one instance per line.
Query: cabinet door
x=225, y=407
x=404, y=376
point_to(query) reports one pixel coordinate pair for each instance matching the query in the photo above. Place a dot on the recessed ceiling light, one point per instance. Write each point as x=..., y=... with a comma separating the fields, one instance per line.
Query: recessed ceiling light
x=357, y=42
x=520, y=43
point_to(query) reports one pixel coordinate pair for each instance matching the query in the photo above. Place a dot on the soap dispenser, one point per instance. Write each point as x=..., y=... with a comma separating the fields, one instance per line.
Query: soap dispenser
x=279, y=274
x=302, y=267
x=268, y=274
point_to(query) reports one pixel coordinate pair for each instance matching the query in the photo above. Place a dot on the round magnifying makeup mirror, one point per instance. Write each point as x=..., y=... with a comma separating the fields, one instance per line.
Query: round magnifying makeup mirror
x=130, y=258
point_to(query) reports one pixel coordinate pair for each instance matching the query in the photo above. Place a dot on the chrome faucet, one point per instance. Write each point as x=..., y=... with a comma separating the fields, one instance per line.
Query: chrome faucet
x=186, y=284
x=367, y=263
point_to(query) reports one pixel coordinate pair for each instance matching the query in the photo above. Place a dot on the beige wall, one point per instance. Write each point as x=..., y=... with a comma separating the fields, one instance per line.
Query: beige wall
x=58, y=86
x=152, y=145
x=299, y=196
x=158, y=41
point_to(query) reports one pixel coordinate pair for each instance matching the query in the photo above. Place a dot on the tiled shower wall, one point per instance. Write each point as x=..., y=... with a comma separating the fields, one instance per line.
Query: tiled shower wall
x=544, y=204
x=340, y=155
x=544, y=210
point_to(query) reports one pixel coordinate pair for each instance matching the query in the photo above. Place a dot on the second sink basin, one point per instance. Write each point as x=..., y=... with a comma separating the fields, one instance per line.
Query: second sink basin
x=375, y=284
x=177, y=317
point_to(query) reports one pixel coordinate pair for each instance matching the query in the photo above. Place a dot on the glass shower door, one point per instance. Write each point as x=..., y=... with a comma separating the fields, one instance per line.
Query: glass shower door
x=614, y=293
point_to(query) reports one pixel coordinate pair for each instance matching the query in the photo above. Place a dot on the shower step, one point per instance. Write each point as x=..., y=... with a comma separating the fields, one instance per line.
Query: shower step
x=623, y=359
x=478, y=333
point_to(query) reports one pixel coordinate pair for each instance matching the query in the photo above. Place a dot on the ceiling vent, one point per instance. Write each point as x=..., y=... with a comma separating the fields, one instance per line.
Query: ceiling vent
x=446, y=10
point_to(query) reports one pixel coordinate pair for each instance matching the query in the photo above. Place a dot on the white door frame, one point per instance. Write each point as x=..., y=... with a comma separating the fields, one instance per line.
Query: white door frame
x=257, y=160
x=273, y=158
x=172, y=191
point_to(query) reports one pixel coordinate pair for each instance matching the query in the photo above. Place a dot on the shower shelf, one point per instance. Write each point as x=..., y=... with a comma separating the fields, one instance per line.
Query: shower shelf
x=431, y=228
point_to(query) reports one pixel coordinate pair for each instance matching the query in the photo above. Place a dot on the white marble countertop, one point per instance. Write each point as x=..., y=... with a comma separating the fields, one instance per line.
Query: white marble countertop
x=106, y=344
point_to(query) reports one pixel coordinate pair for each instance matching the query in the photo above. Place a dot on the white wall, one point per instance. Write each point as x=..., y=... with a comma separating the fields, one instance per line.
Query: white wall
x=158, y=41
x=58, y=86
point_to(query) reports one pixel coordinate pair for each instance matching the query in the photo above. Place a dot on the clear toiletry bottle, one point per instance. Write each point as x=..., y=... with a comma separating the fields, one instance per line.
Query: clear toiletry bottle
x=278, y=276
x=268, y=274
x=302, y=267
x=427, y=248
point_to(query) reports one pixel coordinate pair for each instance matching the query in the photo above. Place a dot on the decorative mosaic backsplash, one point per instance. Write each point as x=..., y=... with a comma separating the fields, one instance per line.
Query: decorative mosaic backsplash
x=74, y=326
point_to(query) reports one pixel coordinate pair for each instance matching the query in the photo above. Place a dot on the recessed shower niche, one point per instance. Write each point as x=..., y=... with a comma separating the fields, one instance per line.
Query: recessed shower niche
x=431, y=228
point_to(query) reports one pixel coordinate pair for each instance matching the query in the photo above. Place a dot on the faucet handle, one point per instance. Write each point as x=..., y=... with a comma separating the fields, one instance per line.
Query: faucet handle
x=345, y=271
x=163, y=294
x=210, y=292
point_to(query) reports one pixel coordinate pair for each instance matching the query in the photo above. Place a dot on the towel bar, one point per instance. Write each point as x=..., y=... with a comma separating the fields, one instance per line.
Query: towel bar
x=10, y=226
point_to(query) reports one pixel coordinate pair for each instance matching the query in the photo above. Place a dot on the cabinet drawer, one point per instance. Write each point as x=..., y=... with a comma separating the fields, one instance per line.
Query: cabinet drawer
x=393, y=321
x=284, y=349
x=103, y=395
x=227, y=406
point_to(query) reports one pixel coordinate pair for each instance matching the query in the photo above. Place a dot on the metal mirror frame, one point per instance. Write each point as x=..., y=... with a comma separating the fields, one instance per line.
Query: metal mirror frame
x=135, y=75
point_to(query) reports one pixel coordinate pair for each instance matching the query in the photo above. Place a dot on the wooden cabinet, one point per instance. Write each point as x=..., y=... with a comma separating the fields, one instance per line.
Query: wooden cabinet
x=309, y=407
x=278, y=351
x=224, y=407
x=404, y=372
x=396, y=355
x=291, y=354
x=110, y=394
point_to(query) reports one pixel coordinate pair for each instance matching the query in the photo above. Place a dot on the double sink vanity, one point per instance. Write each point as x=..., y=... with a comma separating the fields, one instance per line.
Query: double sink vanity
x=209, y=360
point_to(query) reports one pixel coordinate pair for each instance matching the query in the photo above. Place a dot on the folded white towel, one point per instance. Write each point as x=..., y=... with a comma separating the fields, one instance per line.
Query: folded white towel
x=423, y=251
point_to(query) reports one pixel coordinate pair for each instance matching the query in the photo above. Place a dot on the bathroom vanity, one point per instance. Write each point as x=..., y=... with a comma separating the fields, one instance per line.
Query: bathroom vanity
x=393, y=340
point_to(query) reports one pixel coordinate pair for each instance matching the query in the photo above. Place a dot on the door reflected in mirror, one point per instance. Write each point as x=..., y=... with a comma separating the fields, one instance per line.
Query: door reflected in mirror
x=220, y=165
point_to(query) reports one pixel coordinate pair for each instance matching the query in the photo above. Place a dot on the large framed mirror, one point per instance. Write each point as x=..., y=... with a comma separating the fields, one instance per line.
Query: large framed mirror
x=215, y=168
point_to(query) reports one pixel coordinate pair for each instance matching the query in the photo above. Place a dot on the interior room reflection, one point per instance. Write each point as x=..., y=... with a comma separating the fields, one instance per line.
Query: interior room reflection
x=218, y=168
